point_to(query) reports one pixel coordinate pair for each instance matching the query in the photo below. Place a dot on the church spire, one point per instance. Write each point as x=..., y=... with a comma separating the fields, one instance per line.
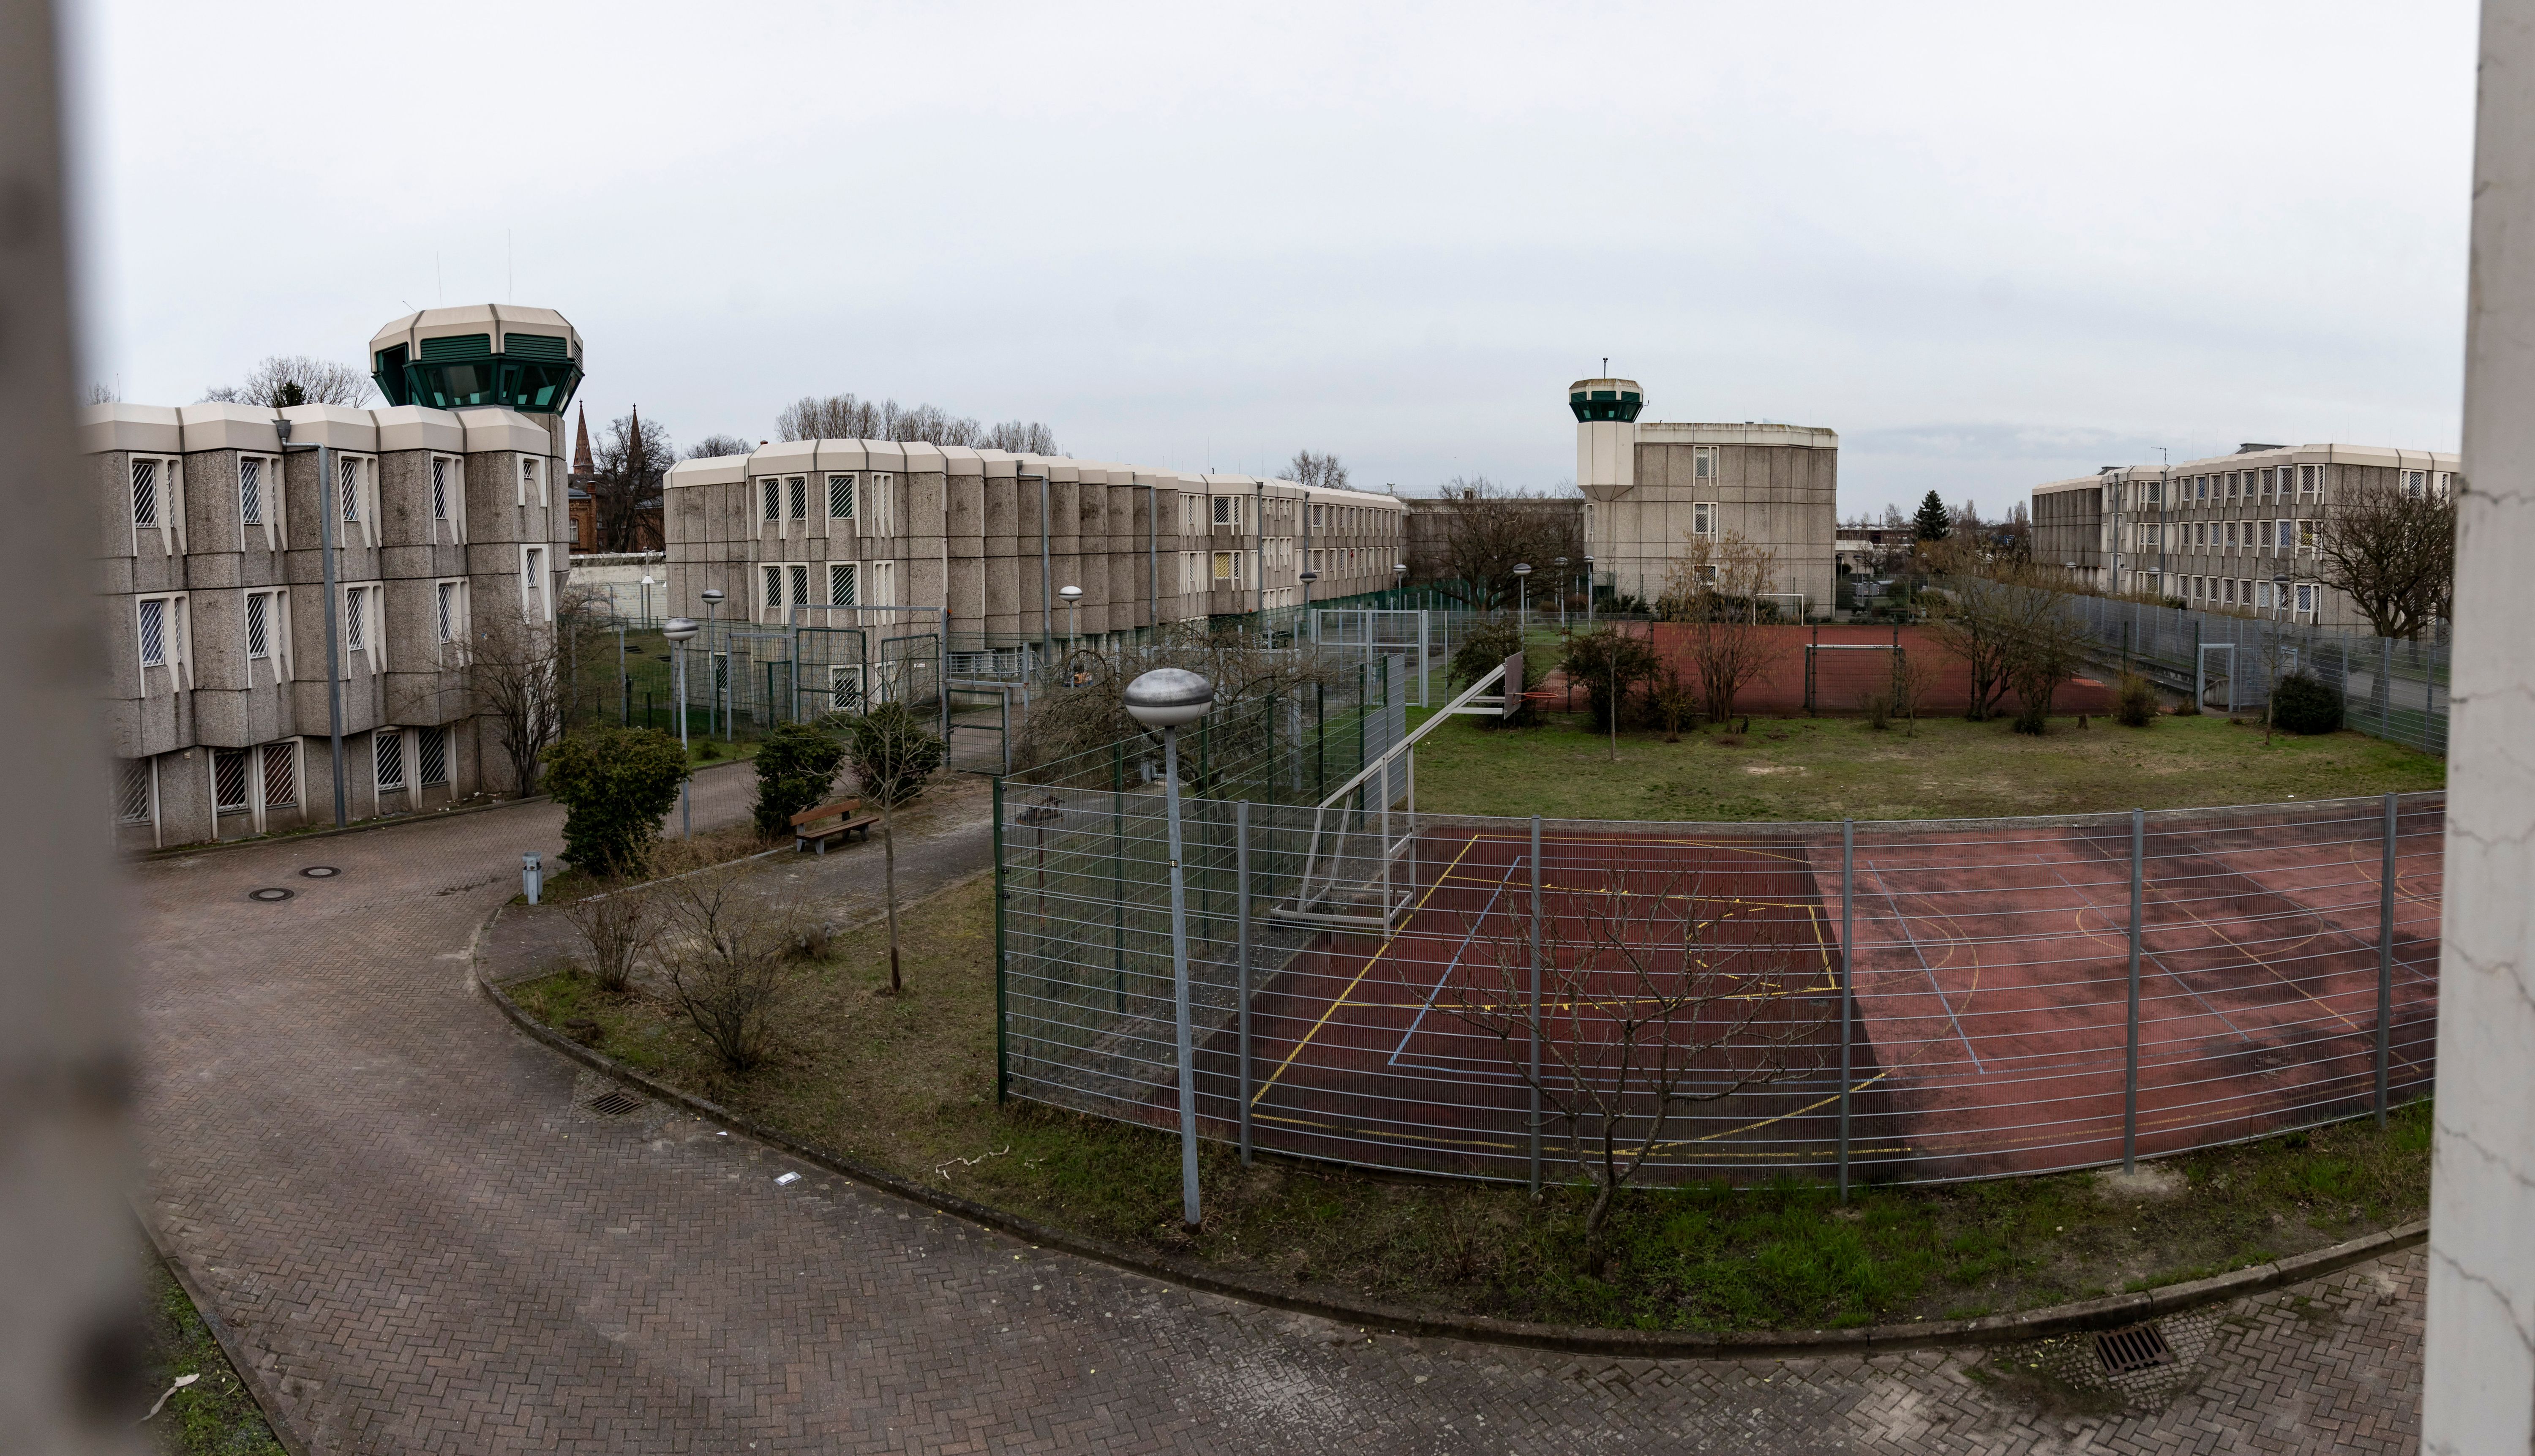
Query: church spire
x=580, y=465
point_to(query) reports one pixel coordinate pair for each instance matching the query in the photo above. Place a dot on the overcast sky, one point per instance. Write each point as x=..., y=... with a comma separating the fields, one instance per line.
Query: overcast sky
x=1990, y=245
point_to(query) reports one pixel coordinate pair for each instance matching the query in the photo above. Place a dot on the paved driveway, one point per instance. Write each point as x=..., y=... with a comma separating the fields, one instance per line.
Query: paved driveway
x=427, y=1246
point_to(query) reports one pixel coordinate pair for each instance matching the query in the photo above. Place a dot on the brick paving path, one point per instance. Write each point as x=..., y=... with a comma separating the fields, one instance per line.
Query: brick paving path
x=428, y=1244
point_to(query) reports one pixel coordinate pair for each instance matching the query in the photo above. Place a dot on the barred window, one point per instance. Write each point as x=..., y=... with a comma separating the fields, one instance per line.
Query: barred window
x=352, y=487
x=841, y=582
x=845, y=689
x=259, y=635
x=145, y=492
x=841, y=497
x=800, y=585
x=1702, y=463
x=1227, y=510
x=774, y=586
x=250, y=491
x=1703, y=519
x=132, y=791
x=431, y=754
x=774, y=491
x=439, y=487
x=2304, y=597
x=529, y=481
x=389, y=755
x=799, y=488
x=154, y=632
x=448, y=611
x=356, y=617
x=228, y=780
x=280, y=774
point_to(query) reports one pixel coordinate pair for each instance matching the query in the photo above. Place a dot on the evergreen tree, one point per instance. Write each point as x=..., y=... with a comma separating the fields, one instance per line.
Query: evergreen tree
x=1933, y=522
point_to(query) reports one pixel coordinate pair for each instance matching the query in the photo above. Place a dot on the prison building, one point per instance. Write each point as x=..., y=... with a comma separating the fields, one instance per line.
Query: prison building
x=2231, y=533
x=1650, y=488
x=993, y=539
x=445, y=522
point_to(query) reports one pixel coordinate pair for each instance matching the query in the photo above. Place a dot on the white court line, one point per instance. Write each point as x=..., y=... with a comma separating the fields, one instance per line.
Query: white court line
x=1484, y=912
x=1905, y=917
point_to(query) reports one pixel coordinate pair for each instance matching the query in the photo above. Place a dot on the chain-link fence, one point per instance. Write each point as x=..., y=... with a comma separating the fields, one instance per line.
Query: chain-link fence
x=1892, y=1002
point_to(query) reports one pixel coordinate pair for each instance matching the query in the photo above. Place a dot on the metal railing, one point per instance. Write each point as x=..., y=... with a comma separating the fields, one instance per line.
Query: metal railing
x=1873, y=1001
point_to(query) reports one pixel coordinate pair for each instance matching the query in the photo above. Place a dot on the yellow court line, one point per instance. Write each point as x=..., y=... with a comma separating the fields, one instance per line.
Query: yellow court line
x=1378, y=953
x=1781, y=1117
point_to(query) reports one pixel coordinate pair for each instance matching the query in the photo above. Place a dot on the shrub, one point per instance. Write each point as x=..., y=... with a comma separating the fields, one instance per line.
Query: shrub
x=614, y=785
x=2134, y=705
x=2302, y=705
x=724, y=961
x=796, y=766
x=1483, y=650
x=1877, y=708
x=1607, y=663
x=893, y=752
x=618, y=925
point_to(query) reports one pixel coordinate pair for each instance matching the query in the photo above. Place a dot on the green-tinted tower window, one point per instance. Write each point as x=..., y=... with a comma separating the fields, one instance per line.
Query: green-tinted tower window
x=535, y=374
x=1605, y=404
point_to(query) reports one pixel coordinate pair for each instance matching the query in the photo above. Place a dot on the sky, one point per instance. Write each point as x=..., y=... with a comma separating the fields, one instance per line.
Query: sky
x=1991, y=245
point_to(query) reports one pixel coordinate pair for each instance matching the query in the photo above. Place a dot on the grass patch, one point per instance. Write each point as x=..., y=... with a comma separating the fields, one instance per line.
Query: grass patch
x=1838, y=768
x=908, y=1083
x=213, y=1417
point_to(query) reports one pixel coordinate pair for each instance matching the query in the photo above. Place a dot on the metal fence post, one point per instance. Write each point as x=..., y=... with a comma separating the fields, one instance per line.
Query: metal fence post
x=2385, y=687
x=1003, y=1019
x=1847, y=984
x=1535, y=1005
x=2385, y=963
x=1117, y=875
x=2129, y=1075
x=1241, y=885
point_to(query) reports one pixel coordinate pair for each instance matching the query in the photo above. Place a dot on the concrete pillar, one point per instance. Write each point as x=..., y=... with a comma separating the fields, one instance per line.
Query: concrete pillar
x=2478, y=1393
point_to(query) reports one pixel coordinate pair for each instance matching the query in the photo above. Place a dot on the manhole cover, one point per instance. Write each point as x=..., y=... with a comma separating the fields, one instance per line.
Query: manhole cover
x=614, y=1104
x=321, y=871
x=2139, y=1347
x=271, y=893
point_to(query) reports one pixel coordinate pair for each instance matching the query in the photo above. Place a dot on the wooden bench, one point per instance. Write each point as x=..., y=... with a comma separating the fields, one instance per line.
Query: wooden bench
x=810, y=827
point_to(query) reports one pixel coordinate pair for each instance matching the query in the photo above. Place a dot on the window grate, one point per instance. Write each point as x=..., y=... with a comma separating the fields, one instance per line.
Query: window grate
x=800, y=585
x=145, y=492
x=132, y=791
x=154, y=633
x=2141, y=1347
x=431, y=754
x=351, y=484
x=845, y=689
x=614, y=1103
x=841, y=582
x=799, y=488
x=259, y=636
x=447, y=595
x=280, y=774
x=251, y=491
x=774, y=586
x=228, y=780
x=356, y=618
x=841, y=497
x=439, y=490
x=390, y=757
x=774, y=498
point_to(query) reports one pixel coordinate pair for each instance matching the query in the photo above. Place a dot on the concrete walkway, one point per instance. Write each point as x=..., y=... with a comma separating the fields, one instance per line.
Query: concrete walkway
x=428, y=1244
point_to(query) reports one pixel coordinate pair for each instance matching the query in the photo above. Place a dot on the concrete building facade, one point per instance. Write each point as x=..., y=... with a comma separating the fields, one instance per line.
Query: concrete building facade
x=211, y=573
x=2229, y=533
x=1649, y=488
x=991, y=539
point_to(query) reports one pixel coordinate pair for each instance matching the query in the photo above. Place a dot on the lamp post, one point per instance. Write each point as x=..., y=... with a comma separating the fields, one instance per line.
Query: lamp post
x=1400, y=585
x=712, y=617
x=1307, y=576
x=1563, y=582
x=1523, y=593
x=1165, y=698
x=647, y=597
x=678, y=630
x=1073, y=616
x=1588, y=594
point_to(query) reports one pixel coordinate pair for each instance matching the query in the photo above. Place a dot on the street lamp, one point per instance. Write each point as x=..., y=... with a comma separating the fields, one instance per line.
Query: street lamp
x=647, y=597
x=1588, y=594
x=1306, y=577
x=1563, y=582
x=1522, y=592
x=678, y=630
x=712, y=612
x=1164, y=699
x=1073, y=616
x=1400, y=585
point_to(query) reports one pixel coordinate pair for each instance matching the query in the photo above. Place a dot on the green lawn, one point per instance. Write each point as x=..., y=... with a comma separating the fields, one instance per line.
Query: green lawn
x=1838, y=768
x=908, y=1083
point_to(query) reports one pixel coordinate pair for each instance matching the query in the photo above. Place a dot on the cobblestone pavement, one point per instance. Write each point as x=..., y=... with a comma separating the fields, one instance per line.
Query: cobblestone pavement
x=428, y=1244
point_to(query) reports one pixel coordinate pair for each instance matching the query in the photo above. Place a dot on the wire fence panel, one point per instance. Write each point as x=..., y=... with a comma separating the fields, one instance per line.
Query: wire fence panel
x=2395, y=689
x=1908, y=1002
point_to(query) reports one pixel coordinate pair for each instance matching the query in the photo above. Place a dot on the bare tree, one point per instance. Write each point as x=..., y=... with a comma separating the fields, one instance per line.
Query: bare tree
x=1487, y=530
x=1659, y=994
x=1090, y=715
x=1314, y=470
x=724, y=948
x=893, y=754
x=516, y=679
x=2393, y=552
x=100, y=393
x=282, y=380
x=2012, y=627
x=618, y=924
x=713, y=446
x=847, y=418
x=2049, y=645
x=1717, y=587
x=630, y=464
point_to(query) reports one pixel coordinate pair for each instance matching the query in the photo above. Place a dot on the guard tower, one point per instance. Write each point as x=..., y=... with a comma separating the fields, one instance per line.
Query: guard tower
x=1606, y=435
x=480, y=356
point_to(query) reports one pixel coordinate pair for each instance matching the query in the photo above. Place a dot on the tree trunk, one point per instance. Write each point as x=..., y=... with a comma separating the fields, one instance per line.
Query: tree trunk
x=888, y=884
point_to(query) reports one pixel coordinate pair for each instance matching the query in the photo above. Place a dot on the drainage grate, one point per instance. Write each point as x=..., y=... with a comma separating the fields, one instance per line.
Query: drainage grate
x=321, y=871
x=2142, y=1347
x=618, y=1102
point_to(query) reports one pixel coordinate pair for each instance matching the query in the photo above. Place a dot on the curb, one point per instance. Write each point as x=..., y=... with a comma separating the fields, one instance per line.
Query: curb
x=291, y=1439
x=2109, y=1313
x=365, y=826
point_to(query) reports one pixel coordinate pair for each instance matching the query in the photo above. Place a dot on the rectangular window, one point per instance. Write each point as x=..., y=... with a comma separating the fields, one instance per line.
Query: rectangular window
x=2306, y=535
x=356, y=617
x=145, y=492
x=154, y=632
x=2310, y=480
x=775, y=587
x=844, y=689
x=532, y=588
x=349, y=485
x=2227, y=591
x=1320, y=518
x=388, y=753
x=798, y=488
x=2304, y=597
x=250, y=491
x=1702, y=463
x=1223, y=564
x=440, y=488
x=431, y=754
x=280, y=774
x=531, y=480
x=1227, y=510
x=2264, y=598
x=2415, y=483
x=228, y=781
x=2231, y=535
x=445, y=610
x=880, y=512
x=1702, y=517
x=800, y=585
x=841, y=582
x=841, y=497
x=132, y=791
x=259, y=637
